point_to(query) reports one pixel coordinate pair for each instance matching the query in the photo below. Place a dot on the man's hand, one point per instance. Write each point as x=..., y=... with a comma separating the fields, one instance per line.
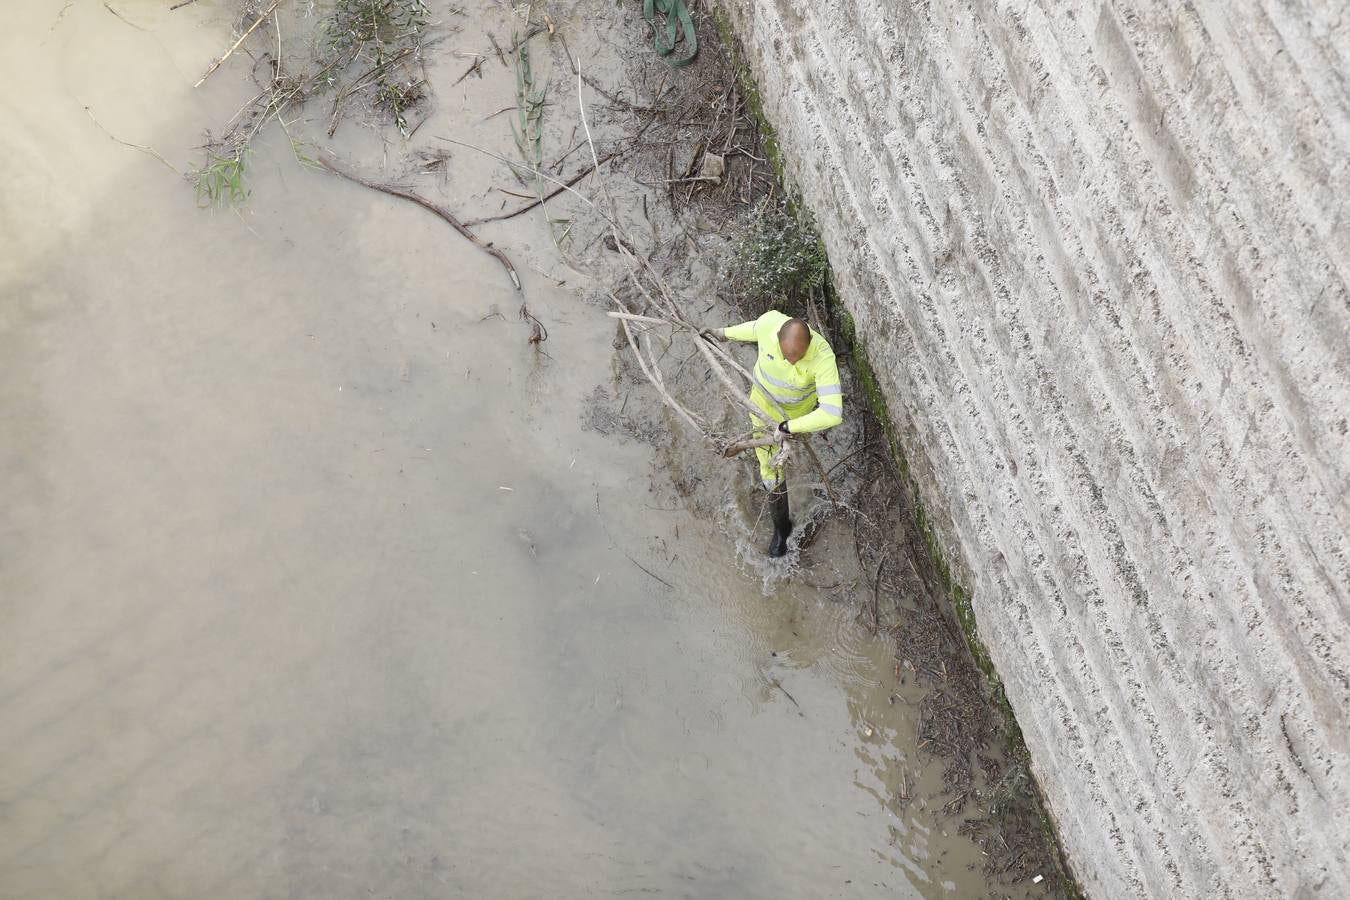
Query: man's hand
x=713, y=334
x=781, y=433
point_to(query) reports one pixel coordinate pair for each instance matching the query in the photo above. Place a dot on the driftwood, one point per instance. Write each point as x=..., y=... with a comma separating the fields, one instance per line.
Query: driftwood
x=632, y=317
x=108, y=7
x=435, y=208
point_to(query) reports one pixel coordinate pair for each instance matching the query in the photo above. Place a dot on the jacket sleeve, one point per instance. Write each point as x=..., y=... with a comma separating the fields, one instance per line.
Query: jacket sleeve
x=742, y=332
x=829, y=410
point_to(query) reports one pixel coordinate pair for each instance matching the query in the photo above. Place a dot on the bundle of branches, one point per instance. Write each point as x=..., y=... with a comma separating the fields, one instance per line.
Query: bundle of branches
x=369, y=49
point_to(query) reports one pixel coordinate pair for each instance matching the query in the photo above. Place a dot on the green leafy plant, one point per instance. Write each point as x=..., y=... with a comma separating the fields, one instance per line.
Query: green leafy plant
x=220, y=182
x=777, y=260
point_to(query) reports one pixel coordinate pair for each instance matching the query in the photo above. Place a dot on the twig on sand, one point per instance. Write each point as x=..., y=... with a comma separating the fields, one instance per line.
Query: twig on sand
x=148, y=151
x=475, y=69
x=561, y=184
x=62, y=14
x=230, y=52
x=824, y=476
x=538, y=333
x=650, y=572
x=544, y=199
x=108, y=7
x=876, y=592
x=444, y=213
x=498, y=48
x=181, y=4
x=533, y=31
x=778, y=684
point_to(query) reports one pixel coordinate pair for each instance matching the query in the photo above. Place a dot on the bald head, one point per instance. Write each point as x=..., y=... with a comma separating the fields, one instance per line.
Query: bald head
x=793, y=339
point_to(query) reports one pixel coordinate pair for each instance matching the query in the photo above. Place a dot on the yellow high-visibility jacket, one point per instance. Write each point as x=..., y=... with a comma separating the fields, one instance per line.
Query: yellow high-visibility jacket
x=809, y=391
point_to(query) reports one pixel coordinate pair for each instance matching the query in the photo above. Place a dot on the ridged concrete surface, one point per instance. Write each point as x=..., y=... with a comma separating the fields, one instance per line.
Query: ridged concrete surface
x=1099, y=255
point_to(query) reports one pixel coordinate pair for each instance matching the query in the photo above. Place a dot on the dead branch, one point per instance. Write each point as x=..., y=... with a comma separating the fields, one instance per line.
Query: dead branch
x=709, y=351
x=738, y=447
x=636, y=318
x=108, y=7
x=476, y=68
x=669, y=400
x=228, y=53
x=736, y=392
x=824, y=476
x=567, y=185
x=435, y=208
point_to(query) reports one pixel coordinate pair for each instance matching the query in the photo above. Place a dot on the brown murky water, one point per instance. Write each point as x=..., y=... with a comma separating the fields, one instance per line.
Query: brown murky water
x=312, y=584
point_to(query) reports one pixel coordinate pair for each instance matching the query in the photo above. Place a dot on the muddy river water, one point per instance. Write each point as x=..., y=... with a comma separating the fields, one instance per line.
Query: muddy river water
x=314, y=584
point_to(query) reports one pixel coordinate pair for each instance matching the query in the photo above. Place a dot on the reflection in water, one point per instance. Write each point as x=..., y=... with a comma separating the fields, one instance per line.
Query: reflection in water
x=303, y=595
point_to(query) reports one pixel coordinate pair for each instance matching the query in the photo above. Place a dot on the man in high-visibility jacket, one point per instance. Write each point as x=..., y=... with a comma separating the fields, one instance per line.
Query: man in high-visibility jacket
x=796, y=368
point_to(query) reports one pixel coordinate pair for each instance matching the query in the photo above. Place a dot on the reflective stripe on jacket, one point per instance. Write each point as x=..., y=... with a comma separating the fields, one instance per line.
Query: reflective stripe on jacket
x=809, y=391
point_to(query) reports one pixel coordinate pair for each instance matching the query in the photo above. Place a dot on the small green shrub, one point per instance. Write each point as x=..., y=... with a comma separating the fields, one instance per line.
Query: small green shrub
x=777, y=261
x=220, y=182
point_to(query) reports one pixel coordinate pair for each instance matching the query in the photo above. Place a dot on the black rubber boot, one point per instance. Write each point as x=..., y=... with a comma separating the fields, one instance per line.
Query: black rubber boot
x=782, y=523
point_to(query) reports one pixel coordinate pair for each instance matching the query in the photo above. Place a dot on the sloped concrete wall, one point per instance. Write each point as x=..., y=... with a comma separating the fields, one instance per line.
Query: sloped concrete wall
x=1099, y=252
